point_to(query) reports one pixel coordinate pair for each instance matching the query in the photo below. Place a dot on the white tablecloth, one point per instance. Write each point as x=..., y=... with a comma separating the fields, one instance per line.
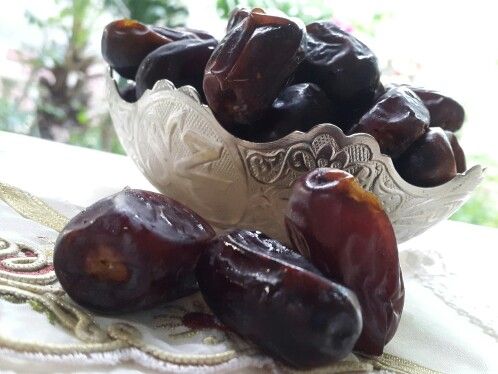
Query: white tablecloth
x=450, y=322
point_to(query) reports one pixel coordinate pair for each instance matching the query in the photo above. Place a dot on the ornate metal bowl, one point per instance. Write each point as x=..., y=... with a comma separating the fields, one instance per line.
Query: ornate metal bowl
x=184, y=152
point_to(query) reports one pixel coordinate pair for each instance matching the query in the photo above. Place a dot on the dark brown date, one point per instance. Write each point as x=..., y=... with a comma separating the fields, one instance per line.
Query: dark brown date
x=345, y=232
x=200, y=34
x=238, y=15
x=345, y=68
x=130, y=251
x=182, y=62
x=181, y=33
x=429, y=161
x=461, y=164
x=126, y=42
x=128, y=92
x=297, y=108
x=445, y=112
x=379, y=91
x=272, y=296
x=397, y=119
x=251, y=65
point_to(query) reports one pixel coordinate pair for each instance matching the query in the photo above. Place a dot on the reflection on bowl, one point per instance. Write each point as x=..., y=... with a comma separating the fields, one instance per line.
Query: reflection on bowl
x=184, y=152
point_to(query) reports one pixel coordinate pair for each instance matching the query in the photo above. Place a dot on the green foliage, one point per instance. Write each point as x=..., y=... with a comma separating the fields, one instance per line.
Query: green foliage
x=307, y=10
x=14, y=119
x=99, y=137
x=165, y=12
x=479, y=210
x=482, y=208
x=70, y=29
x=63, y=63
x=370, y=27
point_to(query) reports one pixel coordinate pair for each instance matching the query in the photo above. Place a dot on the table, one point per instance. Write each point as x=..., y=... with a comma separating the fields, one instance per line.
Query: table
x=452, y=266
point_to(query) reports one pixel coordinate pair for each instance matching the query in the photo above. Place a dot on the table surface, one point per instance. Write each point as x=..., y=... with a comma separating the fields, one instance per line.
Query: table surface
x=81, y=176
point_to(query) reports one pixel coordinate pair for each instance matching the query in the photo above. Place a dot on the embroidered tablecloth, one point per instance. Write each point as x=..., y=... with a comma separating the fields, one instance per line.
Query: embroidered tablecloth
x=449, y=324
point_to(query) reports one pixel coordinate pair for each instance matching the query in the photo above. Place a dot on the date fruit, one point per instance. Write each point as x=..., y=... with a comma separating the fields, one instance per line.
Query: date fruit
x=445, y=112
x=397, y=119
x=126, y=42
x=297, y=108
x=274, y=297
x=181, y=33
x=461, y=164
x=429, y=161
x=200, y=34
x=128, y=92
x=237, y=15
x=345, y=232
x=345, y=68
x=379, y=91
x=130, y=251
x=182, y=62
x=251, y=65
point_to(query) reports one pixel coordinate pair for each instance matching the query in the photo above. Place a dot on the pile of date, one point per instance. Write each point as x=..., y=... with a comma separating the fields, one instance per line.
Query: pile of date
x=271, y=75
x=337, y=286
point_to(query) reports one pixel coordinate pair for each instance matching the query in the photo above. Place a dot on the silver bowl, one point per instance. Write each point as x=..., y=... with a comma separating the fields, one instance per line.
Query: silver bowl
x=184, y=152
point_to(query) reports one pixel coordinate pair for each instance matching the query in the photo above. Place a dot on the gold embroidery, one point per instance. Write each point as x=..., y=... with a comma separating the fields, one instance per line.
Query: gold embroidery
x=130, y=335
x=20, y=268
x=338, y=368
x=211, y=340
x=398, y=365
x=32, y=208
x=44, y=292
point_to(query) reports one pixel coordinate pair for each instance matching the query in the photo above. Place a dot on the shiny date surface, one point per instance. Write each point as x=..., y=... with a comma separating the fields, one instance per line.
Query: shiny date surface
x=130, y=251
x=396, y=120
x=345, y=232
x=272, y=296
x=251, y=65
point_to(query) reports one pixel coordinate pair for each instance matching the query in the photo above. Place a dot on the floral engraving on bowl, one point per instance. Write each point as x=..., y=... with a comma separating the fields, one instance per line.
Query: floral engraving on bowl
x=412, y=209
x=283, y=166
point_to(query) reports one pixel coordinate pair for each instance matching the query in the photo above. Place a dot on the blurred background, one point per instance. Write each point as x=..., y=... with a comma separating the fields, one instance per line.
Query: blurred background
x=51, y=71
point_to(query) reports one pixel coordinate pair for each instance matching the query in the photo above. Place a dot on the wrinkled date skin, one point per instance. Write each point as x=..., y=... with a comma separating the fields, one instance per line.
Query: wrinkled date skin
x=379, y=91
x=251, y=65
x=238, y=15
x=272, y=296
x=429, y=161
x=200, y=34
x=345, y=232
x=445, y=112
x=126, y=42
x=345, y=68
x=182, y=62
x=397, y=119
x=297, y=108
x=181, y=33
x=461, y=164
x=129, y=252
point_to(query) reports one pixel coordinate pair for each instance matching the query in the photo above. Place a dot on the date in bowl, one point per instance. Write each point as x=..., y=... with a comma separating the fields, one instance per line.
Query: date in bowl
x=180, y=147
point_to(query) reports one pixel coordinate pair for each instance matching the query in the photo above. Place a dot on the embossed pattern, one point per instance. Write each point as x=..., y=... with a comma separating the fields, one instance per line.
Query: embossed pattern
x=186, y=154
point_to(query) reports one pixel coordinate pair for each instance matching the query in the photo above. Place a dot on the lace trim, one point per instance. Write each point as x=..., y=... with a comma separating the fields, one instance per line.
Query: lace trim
x=398, y=365
x=436, y=276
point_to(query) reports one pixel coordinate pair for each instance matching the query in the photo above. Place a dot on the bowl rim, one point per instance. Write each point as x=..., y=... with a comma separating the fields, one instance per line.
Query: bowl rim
x=475, y=172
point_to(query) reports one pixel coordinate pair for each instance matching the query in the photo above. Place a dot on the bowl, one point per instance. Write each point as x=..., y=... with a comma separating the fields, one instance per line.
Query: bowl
x=181, y=148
